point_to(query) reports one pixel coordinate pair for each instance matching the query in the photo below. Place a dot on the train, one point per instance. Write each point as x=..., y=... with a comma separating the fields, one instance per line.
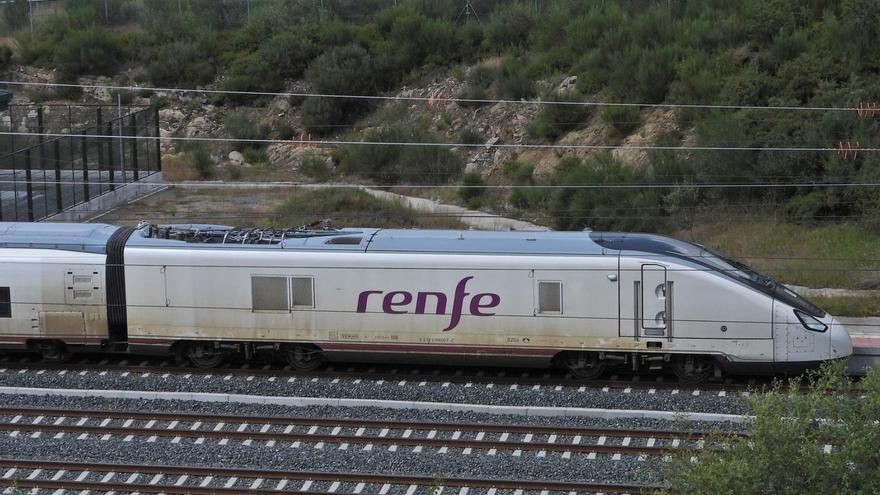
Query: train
x=588, y=302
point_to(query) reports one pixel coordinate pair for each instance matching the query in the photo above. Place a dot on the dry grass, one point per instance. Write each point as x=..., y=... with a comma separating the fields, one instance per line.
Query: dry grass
x=281, y=207
x=842, y=255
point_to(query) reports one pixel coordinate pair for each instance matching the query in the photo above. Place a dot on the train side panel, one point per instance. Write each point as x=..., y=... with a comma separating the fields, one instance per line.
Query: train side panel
x=52, y=296
x=458, y=304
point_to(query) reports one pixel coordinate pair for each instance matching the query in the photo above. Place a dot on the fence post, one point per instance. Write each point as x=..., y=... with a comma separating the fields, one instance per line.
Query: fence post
x=59, y=204
x=134, y=146
x=85, y=169
x=29, y=186
x=111, y=168
x=98, y=130
x=158, y=140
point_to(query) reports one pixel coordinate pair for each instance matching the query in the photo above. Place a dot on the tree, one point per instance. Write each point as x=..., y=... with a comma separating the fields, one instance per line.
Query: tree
x=786, y=452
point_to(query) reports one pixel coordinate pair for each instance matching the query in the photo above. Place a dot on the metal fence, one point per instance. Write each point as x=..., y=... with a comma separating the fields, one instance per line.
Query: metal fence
x=40, y=176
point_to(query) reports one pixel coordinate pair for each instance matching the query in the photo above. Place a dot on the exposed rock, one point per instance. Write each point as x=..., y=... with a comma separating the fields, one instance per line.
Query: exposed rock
x=236, y=158
x=567, y=84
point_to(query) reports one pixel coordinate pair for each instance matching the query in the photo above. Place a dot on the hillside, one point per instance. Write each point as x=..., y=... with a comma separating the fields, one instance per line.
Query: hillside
x=752, y=52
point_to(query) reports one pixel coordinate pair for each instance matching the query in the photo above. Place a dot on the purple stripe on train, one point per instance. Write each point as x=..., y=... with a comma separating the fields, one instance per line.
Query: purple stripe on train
x=401, y=302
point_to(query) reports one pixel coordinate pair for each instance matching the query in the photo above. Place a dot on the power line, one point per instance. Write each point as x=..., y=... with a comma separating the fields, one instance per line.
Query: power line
x=333, y=142
x=280, y=184
x=438, y=99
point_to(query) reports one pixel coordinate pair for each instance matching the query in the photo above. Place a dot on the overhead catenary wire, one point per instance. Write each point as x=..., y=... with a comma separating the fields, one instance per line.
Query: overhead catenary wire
x=432, y=98
x=349, y=142
x=305, y=185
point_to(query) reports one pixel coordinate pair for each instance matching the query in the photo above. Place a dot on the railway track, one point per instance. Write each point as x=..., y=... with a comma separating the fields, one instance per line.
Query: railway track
x=106, y=477
x=409, y=373
x=344, y=433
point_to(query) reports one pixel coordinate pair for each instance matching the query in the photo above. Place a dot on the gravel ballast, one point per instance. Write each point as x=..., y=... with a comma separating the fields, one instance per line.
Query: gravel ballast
x=400, y=390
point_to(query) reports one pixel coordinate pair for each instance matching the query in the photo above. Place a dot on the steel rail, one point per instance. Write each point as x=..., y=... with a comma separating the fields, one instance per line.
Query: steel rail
x=355, y=423
x=394, y=479
x=453, y=377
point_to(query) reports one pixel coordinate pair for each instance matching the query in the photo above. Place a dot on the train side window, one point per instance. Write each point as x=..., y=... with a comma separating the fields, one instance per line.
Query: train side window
x=303, y=292
x=549, y=297
x=269, y=294
x=5, y=303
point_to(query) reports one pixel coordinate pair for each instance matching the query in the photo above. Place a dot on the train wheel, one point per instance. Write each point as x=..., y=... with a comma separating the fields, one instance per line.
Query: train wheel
x=693, y=369
x=304, y=358
x=204, y=355
x=584, y=365
x=53, y=351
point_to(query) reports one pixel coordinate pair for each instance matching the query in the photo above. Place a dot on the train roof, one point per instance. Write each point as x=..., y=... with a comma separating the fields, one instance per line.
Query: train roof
x=93, y=238
x=80, y=237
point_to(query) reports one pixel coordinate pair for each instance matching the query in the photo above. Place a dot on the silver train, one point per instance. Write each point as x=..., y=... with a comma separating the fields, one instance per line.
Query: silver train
x=585, y=301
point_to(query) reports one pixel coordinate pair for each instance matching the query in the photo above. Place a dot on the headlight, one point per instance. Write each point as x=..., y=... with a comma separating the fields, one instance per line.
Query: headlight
x=810, y=322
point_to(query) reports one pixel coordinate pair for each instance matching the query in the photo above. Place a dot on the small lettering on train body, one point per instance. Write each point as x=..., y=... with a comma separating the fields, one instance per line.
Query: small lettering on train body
x=399, y=302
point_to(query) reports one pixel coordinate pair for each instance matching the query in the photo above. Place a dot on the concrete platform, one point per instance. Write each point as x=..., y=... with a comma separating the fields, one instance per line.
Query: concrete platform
x=865, y=333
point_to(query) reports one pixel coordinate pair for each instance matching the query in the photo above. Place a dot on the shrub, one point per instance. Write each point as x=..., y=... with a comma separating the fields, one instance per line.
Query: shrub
x=470, y=136
x=392, y=164
x=473, y=193
x=285, y=129
x=347, y=70
x=790, y=426
x=239, y=125
x=183, y=63
x=255, y=155
x=287, y=54
x=315, y=166
x=93, y=51
x=250, y=73
x=509, y=28
x=5, y=56
x=555, y=120
x=603, y=209
x=202, y=161
x=623, y=120
x=514, y=82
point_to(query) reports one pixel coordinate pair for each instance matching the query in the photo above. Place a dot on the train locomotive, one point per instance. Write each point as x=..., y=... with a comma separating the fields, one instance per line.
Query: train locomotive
x=584, y=301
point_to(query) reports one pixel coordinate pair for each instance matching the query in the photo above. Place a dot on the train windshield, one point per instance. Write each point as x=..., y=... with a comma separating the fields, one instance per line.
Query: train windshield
x=656, y=244
x=734, y=268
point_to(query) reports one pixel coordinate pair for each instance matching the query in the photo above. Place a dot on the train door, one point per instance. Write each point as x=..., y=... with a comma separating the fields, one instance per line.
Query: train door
x=646, y=300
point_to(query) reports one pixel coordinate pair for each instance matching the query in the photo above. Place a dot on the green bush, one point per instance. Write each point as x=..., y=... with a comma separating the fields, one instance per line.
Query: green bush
x=181, y=63
x=510, y=28
x=387, y=164
x=285, y=130
x=603, y=209
x=202, y=161
x=93, y=51
x=287, y=54
x=255, y=155
x=470, y=136
x=473, y=194
x=554, y=120
x=623, y=120
x=251, y=73
x=514, y=82
x=346, y=71
x=239, y=125
x=315, y=166
x=790, y=426
x=5, y=56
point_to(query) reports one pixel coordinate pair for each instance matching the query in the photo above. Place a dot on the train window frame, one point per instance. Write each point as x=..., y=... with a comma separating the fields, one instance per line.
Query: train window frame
x=294, y=305
x=5, y=302
x=284, y=282
x=540, y=300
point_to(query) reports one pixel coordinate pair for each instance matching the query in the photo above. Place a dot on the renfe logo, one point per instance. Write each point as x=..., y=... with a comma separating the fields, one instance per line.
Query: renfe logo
x=396, y=302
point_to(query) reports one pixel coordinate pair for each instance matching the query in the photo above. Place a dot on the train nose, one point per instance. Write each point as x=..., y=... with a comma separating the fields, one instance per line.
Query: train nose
x=841, y=343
